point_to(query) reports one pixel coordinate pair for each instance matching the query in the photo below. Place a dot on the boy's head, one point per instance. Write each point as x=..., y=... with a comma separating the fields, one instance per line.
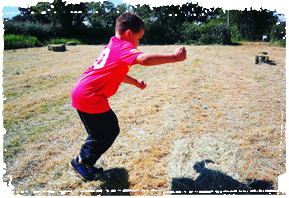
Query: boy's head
x=130, y=27
x=129, y=21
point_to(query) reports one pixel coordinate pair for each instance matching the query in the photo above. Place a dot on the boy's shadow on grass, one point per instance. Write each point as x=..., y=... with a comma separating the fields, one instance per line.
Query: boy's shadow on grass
x=114, y=182
x=216, y=182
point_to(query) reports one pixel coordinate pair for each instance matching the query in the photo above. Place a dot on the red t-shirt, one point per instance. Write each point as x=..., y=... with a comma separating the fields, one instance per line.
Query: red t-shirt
x=91, y=91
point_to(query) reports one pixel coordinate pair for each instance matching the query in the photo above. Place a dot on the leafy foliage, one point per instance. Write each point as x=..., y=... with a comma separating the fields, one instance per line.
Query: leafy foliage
x=39, y=30
x=94, y=22
x=63, y=41
x=235, y=34
x=248, y=25
x=252, y=24
x=282, y=42
x=70, y=15
x=12, y=41
x=205, y=34
x=278, y=34
x=278, y=31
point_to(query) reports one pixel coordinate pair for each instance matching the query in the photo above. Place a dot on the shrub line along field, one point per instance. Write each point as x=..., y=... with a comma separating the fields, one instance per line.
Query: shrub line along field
x=213, y=122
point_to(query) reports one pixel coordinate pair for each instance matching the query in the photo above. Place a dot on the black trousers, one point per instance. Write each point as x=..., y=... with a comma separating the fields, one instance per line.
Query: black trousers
x=102, y=130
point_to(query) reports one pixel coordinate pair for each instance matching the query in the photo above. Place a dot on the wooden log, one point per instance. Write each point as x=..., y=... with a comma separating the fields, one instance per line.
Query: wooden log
x=57, y=48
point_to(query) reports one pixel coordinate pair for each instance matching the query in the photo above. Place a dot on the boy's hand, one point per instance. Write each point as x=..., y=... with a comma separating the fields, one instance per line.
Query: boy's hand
x=180, y=54
x=140, y=84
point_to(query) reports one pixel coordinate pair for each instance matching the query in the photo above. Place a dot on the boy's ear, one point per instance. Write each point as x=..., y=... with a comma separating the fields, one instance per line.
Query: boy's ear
x=128, y=33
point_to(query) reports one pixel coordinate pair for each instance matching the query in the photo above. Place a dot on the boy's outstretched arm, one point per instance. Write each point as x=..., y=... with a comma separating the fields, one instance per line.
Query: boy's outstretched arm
x=150, y=59
x=138, y=83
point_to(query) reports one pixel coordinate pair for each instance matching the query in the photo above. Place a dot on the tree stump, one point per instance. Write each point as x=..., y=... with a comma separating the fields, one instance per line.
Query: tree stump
x=261, y=57
x=57, y=48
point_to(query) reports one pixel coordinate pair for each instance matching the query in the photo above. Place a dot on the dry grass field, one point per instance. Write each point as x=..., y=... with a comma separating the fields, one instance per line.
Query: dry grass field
x=213, y=122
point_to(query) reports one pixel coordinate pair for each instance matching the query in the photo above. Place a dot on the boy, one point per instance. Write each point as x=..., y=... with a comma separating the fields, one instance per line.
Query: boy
x=91, y=91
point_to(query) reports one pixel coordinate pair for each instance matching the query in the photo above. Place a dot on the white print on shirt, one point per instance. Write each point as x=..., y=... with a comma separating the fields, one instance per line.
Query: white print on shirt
x=102, y=58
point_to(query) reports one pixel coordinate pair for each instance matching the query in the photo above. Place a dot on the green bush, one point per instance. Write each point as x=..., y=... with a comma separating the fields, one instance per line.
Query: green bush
x=41, y=31
x=219, y=34
x=282, y=42
x=189, y=33
x=12, y=41
x=235, y=34
x=278, y=31
x=205, y=34
x=63, y=41
x=278, y=35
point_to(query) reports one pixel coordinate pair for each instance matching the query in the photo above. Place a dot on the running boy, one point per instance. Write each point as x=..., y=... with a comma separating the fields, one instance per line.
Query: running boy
x=91, y=91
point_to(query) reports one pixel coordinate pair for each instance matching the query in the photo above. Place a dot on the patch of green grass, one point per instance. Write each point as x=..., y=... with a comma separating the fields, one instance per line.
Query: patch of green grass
x=11, y=150
x=34, y=111
x=63, y=41
x=281, y=43
x=12, y=41
x=257, y=78
x=13, y=94
x=58, y=110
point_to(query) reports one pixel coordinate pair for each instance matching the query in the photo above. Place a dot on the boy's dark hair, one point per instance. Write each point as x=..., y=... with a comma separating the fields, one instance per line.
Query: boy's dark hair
x=129, y=21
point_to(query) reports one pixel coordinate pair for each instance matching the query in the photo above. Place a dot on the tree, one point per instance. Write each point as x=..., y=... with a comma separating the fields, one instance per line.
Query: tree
x=25, y=14
x=71, y=15
x=17, y=18
x=252, y=24
x=95, y=14
x=111, y=14
x=248, y=24
x=145, y=12
x=278, y=31
x=41, y=13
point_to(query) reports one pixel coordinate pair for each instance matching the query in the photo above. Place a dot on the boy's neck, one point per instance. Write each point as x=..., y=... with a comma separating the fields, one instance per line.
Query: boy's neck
x=119, y=36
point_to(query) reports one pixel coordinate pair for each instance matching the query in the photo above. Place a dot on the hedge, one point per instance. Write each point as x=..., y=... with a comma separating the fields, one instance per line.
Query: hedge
x=205, y=34
x=12, y=41
x=41, y=31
